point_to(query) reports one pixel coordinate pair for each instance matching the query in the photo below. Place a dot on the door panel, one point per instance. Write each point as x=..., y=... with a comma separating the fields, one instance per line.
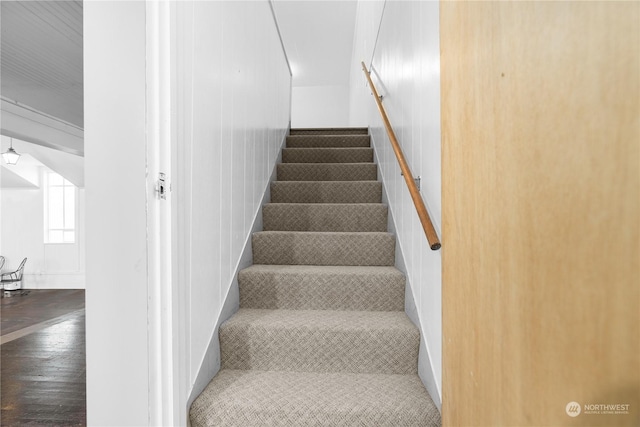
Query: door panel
x=541, y=135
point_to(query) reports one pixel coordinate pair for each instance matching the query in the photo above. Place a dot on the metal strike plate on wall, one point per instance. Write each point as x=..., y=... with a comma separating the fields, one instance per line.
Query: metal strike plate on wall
x=162, y=187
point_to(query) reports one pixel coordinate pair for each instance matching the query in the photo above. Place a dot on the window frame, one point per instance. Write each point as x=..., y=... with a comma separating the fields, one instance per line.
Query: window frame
x=47, y=207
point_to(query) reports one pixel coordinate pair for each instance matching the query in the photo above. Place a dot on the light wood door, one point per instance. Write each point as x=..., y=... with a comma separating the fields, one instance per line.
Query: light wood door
x=540, y=167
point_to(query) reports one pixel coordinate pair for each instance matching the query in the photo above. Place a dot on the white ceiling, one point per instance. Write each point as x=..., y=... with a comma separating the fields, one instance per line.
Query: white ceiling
x=318, y=38
x=41, y=61
x=41, y=50
x=41, y=56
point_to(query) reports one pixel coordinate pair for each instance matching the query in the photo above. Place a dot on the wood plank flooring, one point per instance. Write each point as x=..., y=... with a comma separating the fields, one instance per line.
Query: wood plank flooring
x=18, y=312
x=43, y=373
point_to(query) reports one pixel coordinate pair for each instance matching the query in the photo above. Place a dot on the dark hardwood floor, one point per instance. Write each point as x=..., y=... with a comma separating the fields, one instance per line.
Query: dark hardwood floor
x=43, y=365
x=18, y=312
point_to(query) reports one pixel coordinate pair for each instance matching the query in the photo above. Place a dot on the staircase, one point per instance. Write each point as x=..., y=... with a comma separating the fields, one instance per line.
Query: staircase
x=321, y=337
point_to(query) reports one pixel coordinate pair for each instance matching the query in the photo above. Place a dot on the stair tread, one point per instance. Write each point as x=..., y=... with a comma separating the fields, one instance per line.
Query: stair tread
x=323, y=248
x=325, y=217
x=310, y=141
x=252, y=398
x=328, y=233
x=327, y=155
x=327, y=129
x=326, y=191
x=327, y=172
x=330, y=131
x=324, y=270
x=331, y=205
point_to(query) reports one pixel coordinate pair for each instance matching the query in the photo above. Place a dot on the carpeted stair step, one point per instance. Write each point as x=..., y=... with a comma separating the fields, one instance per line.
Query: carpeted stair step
x=324, y=217
x=285, y=399
x=327, y=172
x=329, y=131
x=384, y=342
x=307, y=141
x=326, y=248
x=326, y=192
x=310, y=287
x=327, y=155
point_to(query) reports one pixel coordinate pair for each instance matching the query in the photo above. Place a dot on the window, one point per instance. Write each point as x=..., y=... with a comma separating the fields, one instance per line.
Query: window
x=60, y=210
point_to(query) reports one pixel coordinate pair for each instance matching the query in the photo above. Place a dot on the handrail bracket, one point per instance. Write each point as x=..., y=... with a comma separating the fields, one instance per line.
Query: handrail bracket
x=417, y=180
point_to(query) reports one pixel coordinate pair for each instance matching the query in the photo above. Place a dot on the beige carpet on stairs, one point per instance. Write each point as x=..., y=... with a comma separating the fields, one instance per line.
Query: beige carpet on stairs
x=321, y=337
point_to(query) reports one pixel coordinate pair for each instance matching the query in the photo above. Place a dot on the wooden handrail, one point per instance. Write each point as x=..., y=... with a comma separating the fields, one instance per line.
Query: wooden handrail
x=425, y=220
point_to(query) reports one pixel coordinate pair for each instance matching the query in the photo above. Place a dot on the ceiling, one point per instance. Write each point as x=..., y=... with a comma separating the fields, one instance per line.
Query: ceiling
x=41, y=57
x=41, y=50
x=318, y=38
x=41, y=62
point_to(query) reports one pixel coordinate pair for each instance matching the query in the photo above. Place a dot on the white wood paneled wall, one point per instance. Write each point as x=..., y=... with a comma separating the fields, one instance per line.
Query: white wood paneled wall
x=406, y=71
x=230, y=95
x=233, y=115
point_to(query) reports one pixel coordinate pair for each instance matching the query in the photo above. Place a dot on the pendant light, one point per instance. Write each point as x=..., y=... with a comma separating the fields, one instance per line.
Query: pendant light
x=10, y=156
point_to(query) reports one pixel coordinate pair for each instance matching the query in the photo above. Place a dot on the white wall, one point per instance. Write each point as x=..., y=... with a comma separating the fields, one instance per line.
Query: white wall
x=116, y=188
x=406, y=71
x=230, y=91
x=233, y=116
x=320, y=106
x=369, y=14
x=49, y=266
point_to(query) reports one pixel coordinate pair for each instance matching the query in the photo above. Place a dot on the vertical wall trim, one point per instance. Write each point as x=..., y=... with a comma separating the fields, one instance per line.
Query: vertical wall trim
x=159, y=242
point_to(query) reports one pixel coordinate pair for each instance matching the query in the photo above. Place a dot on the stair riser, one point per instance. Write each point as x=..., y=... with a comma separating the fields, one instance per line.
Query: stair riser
x=327, y=172
x=329, y=131
x=296, y=248
x=327, y=155
x=309, y=141
x=326, y=192
x=320, y=292
x=323, y=217
x=319, y=350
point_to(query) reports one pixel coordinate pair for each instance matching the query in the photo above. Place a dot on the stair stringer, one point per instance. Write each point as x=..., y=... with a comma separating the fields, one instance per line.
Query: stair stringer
x=425, y=364
x=210, y=363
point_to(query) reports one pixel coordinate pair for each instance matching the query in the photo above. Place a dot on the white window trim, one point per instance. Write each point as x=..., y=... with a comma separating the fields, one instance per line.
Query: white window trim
x=45, y=178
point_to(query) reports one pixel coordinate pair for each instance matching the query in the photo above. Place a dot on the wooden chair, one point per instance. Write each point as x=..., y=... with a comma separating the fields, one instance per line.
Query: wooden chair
x=12, y=281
